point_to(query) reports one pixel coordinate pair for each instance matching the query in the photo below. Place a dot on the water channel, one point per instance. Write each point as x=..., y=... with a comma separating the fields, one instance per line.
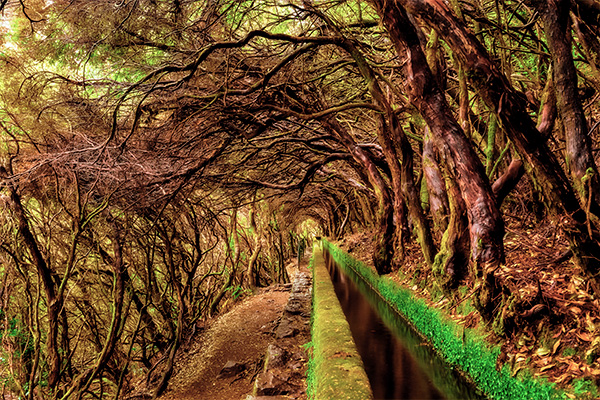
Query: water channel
x=397, y=361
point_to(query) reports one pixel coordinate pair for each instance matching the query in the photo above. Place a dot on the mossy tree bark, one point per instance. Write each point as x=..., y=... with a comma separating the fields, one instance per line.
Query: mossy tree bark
x=511, y=107
x=450, y=217
x=233, y=255
x=384, y=244
x=53, y=298
x=578, y=154
x=508, y=180
x=252, y=276
x=436, y=187
x=453, y=257
x=392, y=137
x=486, y=227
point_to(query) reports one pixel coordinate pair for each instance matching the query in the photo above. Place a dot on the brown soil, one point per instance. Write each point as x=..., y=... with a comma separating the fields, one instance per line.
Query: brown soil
x=241, y=335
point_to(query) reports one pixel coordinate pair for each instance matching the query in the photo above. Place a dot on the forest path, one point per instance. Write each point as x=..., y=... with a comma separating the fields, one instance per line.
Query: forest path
x=241, y=335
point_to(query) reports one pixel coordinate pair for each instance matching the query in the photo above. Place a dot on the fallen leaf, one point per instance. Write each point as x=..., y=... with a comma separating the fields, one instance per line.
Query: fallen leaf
x=557, y=334
x=555, y=347
x=590, y=324
x=547, y=367
x=584, y=336
x=573, y=366
x=542, y=352
x=516, y=370
x=563, y=378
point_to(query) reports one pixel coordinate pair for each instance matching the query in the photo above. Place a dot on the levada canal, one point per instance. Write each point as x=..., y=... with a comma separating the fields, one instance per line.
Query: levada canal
x=399, y=364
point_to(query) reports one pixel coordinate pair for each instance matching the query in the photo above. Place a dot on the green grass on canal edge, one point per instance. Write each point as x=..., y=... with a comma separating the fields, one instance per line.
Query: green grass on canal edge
x=470, y=354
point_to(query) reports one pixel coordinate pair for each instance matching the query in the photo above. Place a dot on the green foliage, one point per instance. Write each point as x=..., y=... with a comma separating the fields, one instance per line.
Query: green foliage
x=585, y=388
x=310, y=370
x=469, y=353
x=569, y=351
x=238, y=291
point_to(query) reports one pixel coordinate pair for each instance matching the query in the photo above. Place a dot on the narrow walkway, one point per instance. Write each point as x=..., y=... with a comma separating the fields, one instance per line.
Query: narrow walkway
x=240, y=336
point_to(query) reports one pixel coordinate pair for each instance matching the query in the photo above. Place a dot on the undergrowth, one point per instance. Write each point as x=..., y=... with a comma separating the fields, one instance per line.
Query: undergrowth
x=459, y=348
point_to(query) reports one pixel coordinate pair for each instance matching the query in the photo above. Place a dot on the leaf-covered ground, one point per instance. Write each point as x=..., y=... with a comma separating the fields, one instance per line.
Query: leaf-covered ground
x=553, y=326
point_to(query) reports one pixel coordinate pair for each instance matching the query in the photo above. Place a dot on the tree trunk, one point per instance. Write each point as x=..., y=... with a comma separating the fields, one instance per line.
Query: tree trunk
x=85, y=378
x=485, y=223
x=548, y=112
x=451, y=261
x=511, y=108
x=580, y=162
x=392, y=137
x=251, y=273
x=507, y=182
x=235, y=259
x=436, y=187
x=383, y=243
x=54, y=302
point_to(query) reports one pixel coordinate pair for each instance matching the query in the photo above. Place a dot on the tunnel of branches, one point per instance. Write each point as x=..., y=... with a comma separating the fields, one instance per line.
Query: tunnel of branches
x=158, y=158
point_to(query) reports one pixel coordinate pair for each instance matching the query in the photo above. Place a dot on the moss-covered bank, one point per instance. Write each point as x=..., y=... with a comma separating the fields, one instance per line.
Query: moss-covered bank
x=458, y=348
x=335, y=371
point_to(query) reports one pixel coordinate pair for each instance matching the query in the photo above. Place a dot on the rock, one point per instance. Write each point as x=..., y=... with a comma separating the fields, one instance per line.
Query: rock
x=276, y=357
x=296, y=305
x=231, y=368
x=286, y=328
x=272, y=383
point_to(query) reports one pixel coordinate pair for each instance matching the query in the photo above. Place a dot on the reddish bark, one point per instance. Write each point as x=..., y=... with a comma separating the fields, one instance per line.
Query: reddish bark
x=511, y=107
x=436, y=187
x=509, y=179
x=392, y=137
x=485, y=223
x=453, y=257
x=384, y=250
x=555, y=14
x=548, y=112
x=53, y=300
x=499, y=95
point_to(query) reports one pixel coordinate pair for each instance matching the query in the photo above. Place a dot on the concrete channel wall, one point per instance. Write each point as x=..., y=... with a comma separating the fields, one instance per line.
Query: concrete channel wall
x=465, y=355
x=338, y=369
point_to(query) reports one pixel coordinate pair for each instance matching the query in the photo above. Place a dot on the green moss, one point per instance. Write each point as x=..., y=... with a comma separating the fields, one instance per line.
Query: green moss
x=310, y=370
x=336, y=369
x=464, y=351
x=584, y=388
x=569, y=351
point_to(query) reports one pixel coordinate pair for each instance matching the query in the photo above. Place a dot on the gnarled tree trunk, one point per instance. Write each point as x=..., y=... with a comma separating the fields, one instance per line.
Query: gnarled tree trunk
x=511, y=108
x=392, y=137
x=580, y=162
x=486, y=227
x=383, y=252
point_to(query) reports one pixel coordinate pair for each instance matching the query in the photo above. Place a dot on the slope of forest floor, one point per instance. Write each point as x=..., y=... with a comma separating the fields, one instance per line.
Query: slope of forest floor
x=556, y=334
x=241, y=335
x=222, y=361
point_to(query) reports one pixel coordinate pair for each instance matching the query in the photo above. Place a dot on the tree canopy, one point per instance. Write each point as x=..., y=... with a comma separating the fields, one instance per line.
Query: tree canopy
x=159, y=158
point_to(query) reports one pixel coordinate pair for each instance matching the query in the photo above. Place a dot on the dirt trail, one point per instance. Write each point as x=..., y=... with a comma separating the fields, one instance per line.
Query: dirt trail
x=241, y=335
